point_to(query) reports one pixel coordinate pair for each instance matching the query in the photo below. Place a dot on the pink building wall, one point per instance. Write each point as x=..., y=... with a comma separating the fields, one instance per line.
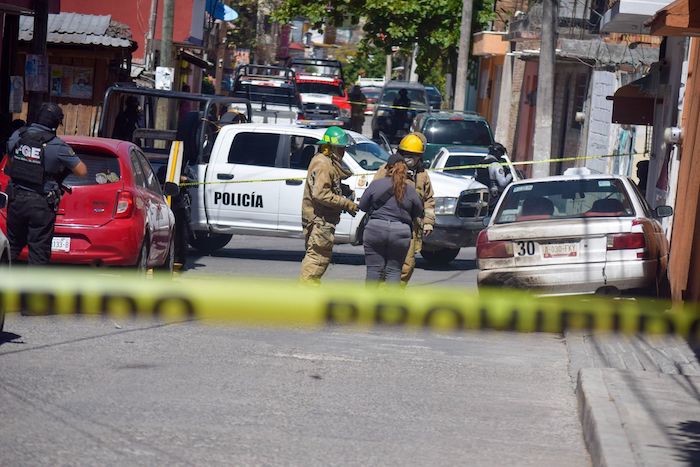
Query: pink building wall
x=136, y=13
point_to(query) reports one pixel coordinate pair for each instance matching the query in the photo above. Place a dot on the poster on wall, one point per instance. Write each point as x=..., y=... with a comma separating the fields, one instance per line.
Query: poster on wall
x=36, y=73
x=241, y=57
x=164, y=77
x=71, y=81
x=16, y=94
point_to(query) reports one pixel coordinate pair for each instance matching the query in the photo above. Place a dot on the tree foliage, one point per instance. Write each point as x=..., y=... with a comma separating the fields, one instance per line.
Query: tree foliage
x=432, y=24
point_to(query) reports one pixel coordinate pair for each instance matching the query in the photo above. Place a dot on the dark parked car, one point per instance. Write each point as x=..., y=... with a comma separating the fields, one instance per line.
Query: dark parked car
x=450, y=129
x=398, y=105
x=434, y=97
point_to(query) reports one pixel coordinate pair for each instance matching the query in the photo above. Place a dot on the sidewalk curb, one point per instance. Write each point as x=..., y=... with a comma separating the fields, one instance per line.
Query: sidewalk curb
x=603, y=432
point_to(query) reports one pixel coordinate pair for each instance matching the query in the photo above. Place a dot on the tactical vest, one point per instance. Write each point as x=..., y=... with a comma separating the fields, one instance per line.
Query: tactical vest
x=28, y=159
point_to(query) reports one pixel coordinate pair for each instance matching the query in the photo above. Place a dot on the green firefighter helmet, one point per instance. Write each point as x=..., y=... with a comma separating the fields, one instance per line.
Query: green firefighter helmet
x=335, y=136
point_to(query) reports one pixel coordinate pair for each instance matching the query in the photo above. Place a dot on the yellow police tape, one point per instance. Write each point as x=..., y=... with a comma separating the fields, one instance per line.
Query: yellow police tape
x=445, y=169
x=286, y=303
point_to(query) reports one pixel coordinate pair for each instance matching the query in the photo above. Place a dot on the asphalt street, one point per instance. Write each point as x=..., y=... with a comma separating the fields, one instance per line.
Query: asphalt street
x=281, y=257
x=100, y=392
x=92, y=392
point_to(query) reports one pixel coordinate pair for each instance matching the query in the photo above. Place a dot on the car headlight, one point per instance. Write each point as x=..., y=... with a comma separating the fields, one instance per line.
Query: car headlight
x=344, y=113
x=445, y=205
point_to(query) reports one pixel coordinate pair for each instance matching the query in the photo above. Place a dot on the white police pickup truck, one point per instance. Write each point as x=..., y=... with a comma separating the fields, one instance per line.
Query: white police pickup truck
x=271, y=91
x=254, y=184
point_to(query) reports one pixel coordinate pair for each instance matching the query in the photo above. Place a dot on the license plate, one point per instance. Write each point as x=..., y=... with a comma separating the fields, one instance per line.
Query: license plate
x=60, y=244
x=559, y=250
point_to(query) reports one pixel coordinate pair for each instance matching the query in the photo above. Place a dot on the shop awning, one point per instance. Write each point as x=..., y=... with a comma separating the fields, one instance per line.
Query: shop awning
x=194, y=59
x=680, y=18
x=633, y=104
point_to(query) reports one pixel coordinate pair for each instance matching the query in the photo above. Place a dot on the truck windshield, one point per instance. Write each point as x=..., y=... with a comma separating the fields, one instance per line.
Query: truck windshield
x=368, y=154
x=273, y=93
x=417, y=96
x=329, y=89
x=458, y=132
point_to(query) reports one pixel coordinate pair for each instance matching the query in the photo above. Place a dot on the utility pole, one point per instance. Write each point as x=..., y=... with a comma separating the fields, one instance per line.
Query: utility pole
x=413, y=76
x=220, y=56
x=545, y=90
x=389, y=66
x=41, y=25
x=166, y=42
x=150, y=37
x=465, y=33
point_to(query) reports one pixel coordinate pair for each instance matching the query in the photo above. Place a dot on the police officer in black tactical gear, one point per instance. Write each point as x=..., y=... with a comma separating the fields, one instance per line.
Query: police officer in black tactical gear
x=39, y=161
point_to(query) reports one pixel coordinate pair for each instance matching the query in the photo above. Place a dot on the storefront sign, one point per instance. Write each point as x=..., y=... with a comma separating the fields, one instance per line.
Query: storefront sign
x=71, y=81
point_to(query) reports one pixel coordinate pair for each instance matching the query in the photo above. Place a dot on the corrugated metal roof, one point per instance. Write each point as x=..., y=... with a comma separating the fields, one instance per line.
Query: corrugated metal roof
x=74, y=28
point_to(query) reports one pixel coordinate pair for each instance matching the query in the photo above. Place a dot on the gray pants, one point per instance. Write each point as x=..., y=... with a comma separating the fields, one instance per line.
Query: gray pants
x=386, y=244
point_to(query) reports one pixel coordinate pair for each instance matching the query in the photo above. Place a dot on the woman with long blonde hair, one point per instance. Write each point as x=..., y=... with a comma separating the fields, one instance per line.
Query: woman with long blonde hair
x=392, y=205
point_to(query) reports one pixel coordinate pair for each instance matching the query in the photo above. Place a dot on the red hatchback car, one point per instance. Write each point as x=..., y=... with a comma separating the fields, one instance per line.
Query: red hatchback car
x=116, y=216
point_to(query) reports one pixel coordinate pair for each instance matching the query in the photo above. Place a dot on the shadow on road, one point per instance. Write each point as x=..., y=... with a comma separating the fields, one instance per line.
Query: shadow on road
x=454, y=265
x=687, y=440
x=351, y=259
x=6, y=337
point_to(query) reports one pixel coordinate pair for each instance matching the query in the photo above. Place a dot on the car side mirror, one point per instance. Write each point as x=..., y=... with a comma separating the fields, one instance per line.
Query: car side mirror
x=663, y=211
x=3, y=200
x=170, y=189
x=486, y=221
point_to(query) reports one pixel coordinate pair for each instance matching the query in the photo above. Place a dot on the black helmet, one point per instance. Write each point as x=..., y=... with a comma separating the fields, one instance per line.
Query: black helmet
x=497, y=150
x=50, y=115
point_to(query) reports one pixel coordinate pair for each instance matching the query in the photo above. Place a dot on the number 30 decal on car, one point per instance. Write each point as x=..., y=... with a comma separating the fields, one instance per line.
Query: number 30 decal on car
x=525, y=248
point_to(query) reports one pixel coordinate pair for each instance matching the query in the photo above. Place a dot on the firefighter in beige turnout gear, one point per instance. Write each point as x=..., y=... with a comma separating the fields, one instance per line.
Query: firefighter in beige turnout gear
x=323, y=203
x=411, y=148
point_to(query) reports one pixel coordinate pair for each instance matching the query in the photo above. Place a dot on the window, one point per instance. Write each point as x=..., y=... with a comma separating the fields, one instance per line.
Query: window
x=320, y=88
x=368, y=154
x=481, y=174
x=569, y=199
x=417, y=96
x=254, y=149
x=152, y=183
x=303, y=149
x=580, y=93
x=102, y=169
x=271, y=92
x=139, y=178
x=458, y=132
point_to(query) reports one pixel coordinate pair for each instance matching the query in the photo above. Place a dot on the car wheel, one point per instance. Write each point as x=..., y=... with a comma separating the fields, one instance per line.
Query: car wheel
x=440, y=257
x=4, y=260
x=208, y=242
x=142, y=262
x=166, y=269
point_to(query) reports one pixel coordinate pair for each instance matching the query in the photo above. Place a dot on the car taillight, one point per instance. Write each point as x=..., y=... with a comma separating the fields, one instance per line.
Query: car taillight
x=628, y=241
x=125, y=205
x=492, y=249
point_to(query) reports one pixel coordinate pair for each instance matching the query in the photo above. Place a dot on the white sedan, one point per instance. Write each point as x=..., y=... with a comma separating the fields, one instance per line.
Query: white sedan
x=469, y=162
x=574, y=234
